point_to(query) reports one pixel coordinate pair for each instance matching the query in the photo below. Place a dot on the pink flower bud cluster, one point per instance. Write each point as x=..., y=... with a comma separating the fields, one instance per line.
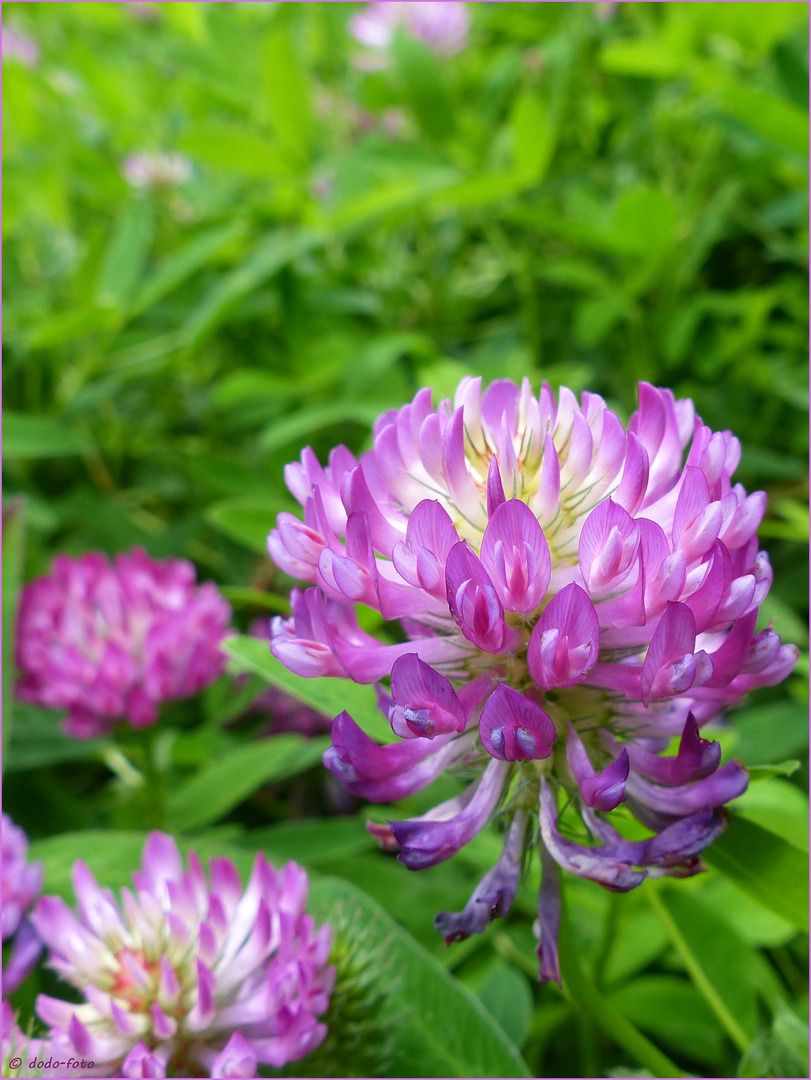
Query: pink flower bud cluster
x=573, y=594
x=111, y=642
x=186, y=976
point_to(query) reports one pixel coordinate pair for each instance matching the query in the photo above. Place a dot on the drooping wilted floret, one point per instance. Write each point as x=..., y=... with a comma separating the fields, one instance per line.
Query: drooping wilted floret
x=574, y=595
x=186, y=976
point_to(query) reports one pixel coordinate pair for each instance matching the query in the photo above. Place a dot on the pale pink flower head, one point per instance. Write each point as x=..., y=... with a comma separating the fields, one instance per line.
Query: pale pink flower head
x=111, y=642
x=443, y=27
x=22, y=882
x=159, y=170
x=573, y=593
x=187, y=975
x=17, y=46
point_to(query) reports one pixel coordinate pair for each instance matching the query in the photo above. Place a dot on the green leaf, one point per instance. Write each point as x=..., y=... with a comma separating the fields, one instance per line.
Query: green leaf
x=231, y=148
x=533, y=137
x=301, y=423
x=767, y=772
x=287, y=94
x=327, y=695
x=266, y=259
x=212, y=793
x=312, y=841
x=13, y=561
x=248, y=521
x=783, y=1051
x=617, y=1027
x=440, y=1028
x=424, y=87
x=764, y=865
x=647, y=59
x=672, y=1010
x=767, y=733
x=126, y=254
x=26, y=436
x=505, y=993
x=717, y=960
x=38, y=741
x=240, y=596
x=779, y=806
x=190, y=258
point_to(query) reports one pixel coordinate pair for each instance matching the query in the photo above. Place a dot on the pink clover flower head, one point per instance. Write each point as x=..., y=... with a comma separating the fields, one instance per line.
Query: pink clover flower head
x=18, y=46
x=148, y=170
x=112, y=641
x=443, y=27
x=22, y=883
x=573, y=593
x=187, y=974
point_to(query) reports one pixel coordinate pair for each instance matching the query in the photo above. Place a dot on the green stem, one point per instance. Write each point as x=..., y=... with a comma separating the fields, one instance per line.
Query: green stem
x=608, y=936
x=616, y=1026
x=155, y=787
x=698, y=975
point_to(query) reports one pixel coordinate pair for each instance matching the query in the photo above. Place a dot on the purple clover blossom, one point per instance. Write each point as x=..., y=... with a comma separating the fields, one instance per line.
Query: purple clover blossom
x=111, y=642
x=443, y=27
x=22, y=882
x=187, y=976
x=573, y=594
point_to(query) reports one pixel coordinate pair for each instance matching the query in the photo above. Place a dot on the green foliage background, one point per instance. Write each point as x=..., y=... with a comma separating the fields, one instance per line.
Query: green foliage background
x=589, y=194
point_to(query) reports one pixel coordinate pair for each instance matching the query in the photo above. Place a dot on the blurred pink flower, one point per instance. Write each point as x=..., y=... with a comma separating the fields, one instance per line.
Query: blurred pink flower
x=145, y=170
x=111, y=642
x=187, y=976
x=17, y=46
x=443, y=27
x=22, y=882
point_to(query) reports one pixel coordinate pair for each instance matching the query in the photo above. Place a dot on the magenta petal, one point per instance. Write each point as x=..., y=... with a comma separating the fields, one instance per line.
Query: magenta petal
x=426, y=842
x=494, y=894
x=565, y=641
x=425, y=702
x=721, y=787
x=515, y=554
x=513, y=728
x=696, y=758
x=595, y=864
x=22, y=959
x=670, y=667
x=609, y=547
x=495, y=488
x=549, y=909
x=355, y=756
x=474, y=603
x=603, y=790
x=237, y=1059
x=140, y=1063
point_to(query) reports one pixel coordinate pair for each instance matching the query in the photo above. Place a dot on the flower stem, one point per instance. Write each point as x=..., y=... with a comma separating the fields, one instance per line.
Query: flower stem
x=698, y=975
x=617, y=1027
x=155, y=788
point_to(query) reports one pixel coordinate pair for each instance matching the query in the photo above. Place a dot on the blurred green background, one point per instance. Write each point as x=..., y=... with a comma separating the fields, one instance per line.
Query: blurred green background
x=590, y=194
